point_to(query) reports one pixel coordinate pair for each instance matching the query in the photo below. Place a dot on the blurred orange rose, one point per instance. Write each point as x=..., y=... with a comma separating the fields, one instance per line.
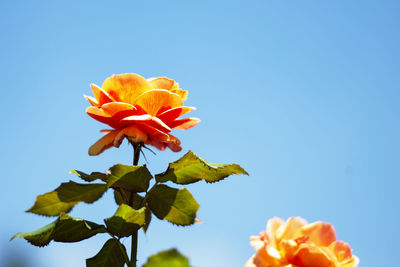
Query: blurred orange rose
x=295, y=243
x=142, y=110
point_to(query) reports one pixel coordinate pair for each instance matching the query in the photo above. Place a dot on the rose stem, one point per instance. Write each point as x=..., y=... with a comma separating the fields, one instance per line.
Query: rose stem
x=136, y=153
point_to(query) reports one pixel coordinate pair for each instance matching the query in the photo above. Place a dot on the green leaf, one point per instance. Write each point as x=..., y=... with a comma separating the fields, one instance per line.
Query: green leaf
x=136, y=204
x=125, y=221
x=147, y=219
x=69, y=229
x=113, y=253
x=175, y=205
x=65, y=197
x=64, y=229
x=40, y=237
x=90, y=177
x=191, y=168
x=122, y=196
x=167, y=258
x=132, y=178
x=118, y=197
x=137, y=201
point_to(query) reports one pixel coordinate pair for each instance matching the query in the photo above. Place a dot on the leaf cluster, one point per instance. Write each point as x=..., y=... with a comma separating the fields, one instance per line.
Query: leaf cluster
x=137, y=203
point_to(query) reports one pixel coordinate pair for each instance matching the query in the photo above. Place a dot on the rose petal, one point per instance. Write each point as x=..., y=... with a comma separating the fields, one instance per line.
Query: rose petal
x=101, y=116
x=91, y=100
x=182, y=93
x=103, y=143
x=353, y=262
x=133, y=133
x=256, y=242
x=152, y=101
x=149, y=120
x=313, y=256
x=168, y=84
x=268, y=256
x=174, y=113
x=154, y=133
x=184, y=124
x=137, y=118
x=319, y=233
x=101, y=96
x=289, y=249
x=342, y=250
x=291, y=229
x=272, y=227
x=113, y=108
x=174, y=144
x=111, y=113
x=250, y=262
x=174, y=147
x=162, y=83
x=126, y=87
x=157, y=144
x=159, y=124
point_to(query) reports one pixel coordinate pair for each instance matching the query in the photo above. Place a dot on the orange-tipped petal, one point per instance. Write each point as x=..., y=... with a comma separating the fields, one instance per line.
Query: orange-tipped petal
x=174, y=113
x=250, y=262
x=182, y=93
x=184, y=124
x=97, y=112
x=268, y=256
x=111, y=113
x=256, y=242
x=103, y=143
x=91, y=100
x=157, y=144
x=126, y=87
x=168, y=84
x=149, y=120
x=154, y=133
x=288, y=249
x=174, y=147
x=174, y=144
x=152, y=101
x=113, y=108
x=291, y=229
x=133, y=133
x=101, y=116
x=342, y=251
x=272, y=228
x=313, y=256
x=163, y=83
x=101, y=95
x=159, y=124
x=137, y=118
x=353, y=262
x=319, y=233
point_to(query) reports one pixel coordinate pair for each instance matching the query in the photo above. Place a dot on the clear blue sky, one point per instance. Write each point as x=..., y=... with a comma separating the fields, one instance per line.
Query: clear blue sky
x=303, y=94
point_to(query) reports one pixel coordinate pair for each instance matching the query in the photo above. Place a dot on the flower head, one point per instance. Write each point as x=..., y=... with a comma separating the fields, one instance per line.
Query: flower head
x=295, y=243
x=142, y=110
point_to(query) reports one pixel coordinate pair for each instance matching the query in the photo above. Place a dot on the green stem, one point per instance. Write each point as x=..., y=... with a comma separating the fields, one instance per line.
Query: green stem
x=134, y=249
x=136, y=155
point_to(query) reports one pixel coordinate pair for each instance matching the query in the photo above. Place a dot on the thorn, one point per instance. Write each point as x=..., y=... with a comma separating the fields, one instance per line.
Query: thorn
x=198, y=221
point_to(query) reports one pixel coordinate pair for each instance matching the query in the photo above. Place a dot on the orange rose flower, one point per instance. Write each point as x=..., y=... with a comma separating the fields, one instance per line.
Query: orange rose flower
x=142, y=110
x=295, y=243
